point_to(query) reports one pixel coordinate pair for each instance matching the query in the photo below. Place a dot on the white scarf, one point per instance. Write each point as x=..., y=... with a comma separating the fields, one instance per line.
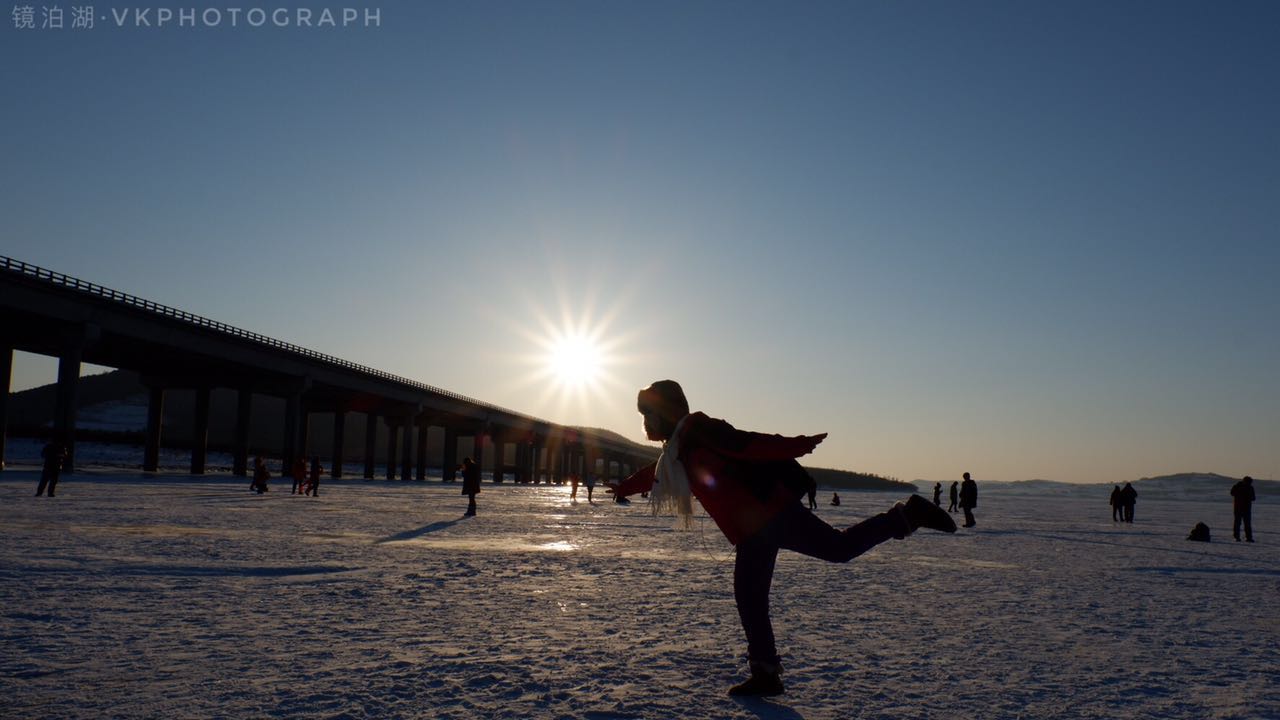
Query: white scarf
x=670, y=492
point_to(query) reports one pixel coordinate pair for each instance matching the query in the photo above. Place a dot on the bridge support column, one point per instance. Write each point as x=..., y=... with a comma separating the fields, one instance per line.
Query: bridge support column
x=499, y=459
x=244, y=415
x=392, y=436
x=449, y=463
x=370, y=439
x=6, y=378
x=155, y=422
x=292, y=421
x=304, y=436
x=64, y=418
x=200, y=432
x=339, y=439
x=521, y=472
x=406, y=453
x=423, y=426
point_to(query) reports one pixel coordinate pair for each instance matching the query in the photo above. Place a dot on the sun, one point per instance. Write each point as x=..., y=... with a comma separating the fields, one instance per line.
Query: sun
x=574, y=360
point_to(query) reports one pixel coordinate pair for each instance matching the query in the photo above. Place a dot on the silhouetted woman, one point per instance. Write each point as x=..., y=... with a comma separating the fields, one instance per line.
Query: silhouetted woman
x=751, y=485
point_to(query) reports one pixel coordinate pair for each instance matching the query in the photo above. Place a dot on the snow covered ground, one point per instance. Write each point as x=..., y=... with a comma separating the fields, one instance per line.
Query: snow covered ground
x=180, y=597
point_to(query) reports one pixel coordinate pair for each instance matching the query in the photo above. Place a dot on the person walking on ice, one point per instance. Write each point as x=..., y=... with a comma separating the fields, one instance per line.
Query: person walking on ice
x=1242, y=495
x=751, y=485
x=968, y=500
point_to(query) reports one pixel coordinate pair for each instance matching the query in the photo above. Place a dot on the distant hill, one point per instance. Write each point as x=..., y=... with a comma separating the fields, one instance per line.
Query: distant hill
x=849, y=480
x=1199, y=484
x=652, y=450
x=825, y=477
x=1191, y=486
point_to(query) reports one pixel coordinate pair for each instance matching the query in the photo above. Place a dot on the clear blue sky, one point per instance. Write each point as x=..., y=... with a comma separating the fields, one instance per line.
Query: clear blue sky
x=1024, y=239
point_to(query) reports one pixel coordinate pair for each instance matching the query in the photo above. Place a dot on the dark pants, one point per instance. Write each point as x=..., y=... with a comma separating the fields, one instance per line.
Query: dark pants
x=968, y=517
x=1128, y=512
x=1244, y=516
x=1115, y=513
x=799, y=530
x=48, y=478
x=471, y=505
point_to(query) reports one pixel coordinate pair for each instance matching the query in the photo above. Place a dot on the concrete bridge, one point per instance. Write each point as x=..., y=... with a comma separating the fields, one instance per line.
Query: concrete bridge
x=52, y=314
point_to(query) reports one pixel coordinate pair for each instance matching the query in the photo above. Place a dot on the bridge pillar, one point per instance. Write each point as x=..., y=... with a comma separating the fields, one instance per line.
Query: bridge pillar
x=423, y=426
x=6, y=378
x=155, y=422
x=200, y=432
x=64, y=418
x=244, y=415
x=477, y=448
x=304, y=435
x=292, y=422
x=392, y=436
x=406, y=453
x=339, y=439
x=522, y=463
x=449, y=463
x=499, y=458
x=370, y=439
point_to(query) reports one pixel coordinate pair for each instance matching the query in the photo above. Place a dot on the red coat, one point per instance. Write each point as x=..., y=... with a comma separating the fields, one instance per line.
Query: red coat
x=743, y=479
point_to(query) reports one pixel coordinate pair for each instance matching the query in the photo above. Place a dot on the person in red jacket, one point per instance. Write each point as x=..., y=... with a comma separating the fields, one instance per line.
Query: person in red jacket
x=750, y=484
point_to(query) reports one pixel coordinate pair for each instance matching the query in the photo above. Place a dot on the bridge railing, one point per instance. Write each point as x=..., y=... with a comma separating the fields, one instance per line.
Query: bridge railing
x=67, y=281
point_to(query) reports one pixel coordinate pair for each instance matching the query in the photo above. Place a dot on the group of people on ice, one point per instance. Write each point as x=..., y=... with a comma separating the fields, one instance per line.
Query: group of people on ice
x=304, y=483
x=1123, y=502
x=965, y=494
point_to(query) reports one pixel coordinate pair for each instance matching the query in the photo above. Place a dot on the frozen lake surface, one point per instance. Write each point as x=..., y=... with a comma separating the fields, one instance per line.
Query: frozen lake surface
x=173, y=596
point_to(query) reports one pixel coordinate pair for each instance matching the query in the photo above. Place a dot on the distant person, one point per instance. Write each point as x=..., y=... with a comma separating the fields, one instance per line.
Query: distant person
x=470, y=483
x=1128, y=500
x=812, y=492
x=955, y=495
x=573, y=486
x=260, y=476
x=835, y=499
x=299, y=472
x=1242, y=495
x=54, y=454
x=968, y=500
x=313, y=479
x=937, y=494
x=1117, y=513
x=591, y=486
x=750, y=484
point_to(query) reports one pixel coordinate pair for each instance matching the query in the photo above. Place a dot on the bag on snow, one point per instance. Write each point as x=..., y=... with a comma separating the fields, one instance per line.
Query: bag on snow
x=1199, y=533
